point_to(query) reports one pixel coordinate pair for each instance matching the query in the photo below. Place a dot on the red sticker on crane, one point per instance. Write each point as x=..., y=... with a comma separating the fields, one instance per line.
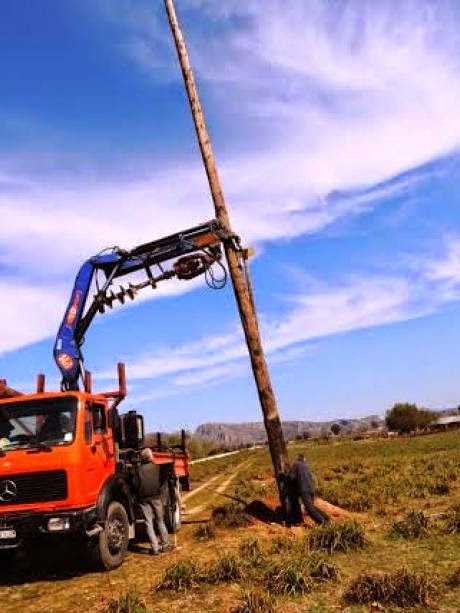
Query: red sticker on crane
x=65, y=361
x=73, y=309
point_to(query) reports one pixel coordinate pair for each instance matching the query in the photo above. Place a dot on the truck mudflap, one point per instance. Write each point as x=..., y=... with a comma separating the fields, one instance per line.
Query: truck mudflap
x=15, y=528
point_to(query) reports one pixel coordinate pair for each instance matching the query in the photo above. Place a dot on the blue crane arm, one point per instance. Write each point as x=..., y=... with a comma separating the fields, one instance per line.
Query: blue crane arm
x=196, y=249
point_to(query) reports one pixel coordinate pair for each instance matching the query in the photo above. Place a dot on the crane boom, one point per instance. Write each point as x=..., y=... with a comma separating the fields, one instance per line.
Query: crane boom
x=196, y=249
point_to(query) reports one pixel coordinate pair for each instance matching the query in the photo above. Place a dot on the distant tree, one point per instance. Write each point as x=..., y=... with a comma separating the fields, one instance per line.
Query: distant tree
x=375, y=424
x=406, y=417
x=306, y=435
x=335, y=429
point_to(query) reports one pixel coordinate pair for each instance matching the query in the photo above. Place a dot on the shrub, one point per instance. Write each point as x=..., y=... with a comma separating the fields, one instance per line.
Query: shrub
x=454, y=579
x=226, y=569
x=256, y=601
x=129, y=602
x=440, y=488
x=251, y=553
x=205, y=531
x=337, y=537
x=401, y=588
x=289, y=577
x=321, y=569
x=452, y=523
x=414, y=525
x=181, y=576
x=230, y=516
x=282, y=544
x=406, y=417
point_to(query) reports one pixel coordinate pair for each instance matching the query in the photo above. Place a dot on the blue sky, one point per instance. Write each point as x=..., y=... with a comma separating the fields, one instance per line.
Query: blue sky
x=337, y=130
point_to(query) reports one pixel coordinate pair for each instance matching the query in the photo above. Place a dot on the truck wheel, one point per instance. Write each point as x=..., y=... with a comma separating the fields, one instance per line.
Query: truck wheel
x=109, y=548
x=7, y=556
x=173, y=518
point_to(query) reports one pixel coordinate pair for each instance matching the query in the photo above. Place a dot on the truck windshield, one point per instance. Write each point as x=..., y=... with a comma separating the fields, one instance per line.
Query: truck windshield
x=48, y=422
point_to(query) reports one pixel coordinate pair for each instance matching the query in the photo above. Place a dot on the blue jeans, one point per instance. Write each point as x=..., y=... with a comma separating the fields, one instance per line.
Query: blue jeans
x=153, y=509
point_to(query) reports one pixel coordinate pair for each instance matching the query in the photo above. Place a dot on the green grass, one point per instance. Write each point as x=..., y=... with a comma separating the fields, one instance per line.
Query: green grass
x=230, y=515
x=205, y=531
x=381, y=480
x=401, y=588
x=346, y=536
x=413, y=525
x=128, y=602
x=255, y=601
x=181, y=576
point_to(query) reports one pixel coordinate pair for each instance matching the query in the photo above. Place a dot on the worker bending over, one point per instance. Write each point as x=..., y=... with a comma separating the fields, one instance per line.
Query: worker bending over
x=304, y=488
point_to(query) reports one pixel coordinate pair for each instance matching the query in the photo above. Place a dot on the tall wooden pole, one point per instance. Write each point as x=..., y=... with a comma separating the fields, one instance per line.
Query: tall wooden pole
x=236, y=263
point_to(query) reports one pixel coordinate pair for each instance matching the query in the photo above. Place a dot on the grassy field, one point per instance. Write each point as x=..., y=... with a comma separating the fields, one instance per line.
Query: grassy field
x=394, y=541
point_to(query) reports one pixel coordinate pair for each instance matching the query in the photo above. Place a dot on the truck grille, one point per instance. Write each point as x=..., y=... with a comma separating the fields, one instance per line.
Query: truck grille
x=25, y=488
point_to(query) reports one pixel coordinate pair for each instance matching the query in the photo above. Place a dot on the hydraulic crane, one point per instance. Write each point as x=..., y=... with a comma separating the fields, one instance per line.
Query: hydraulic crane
x=197, y=249
x=67, y=458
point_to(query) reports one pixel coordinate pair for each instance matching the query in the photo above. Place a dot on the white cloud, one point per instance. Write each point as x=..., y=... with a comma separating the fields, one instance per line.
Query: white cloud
x=338, y=97
x=26, y=311
x=358, y=303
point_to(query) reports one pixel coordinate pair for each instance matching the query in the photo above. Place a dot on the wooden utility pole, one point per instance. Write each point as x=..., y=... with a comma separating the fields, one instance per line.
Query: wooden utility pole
x=236, y=259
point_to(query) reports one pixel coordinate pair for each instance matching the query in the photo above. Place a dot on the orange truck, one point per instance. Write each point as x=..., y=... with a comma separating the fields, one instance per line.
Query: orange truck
x=66, y=467
x=67, y=457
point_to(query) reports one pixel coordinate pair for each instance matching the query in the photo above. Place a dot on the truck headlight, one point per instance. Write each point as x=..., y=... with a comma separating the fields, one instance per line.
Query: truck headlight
x=57, y=524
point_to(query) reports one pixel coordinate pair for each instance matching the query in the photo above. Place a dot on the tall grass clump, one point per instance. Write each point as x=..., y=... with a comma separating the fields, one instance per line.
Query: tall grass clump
x=452, y=521
x=181, y=576
x=251, y=554
x=401, y=588
x=414, y=525
x=205, y=531
x=297, y=573
x=345, y=537
x=282, y=544
x=289, y=577
x=256, y=601
x=129, y=602
x=226, y=569
x=321, y=569
x=230, y=516
x=454, y=579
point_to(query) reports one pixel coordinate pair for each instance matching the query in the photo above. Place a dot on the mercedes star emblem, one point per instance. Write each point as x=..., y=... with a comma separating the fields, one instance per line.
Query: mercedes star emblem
x=8, y=491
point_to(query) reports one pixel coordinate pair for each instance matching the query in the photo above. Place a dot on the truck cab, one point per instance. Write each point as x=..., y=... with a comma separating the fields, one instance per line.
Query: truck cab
x=66, y=466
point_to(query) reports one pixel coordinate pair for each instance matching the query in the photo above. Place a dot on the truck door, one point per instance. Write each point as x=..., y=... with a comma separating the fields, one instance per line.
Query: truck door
x=99, y=446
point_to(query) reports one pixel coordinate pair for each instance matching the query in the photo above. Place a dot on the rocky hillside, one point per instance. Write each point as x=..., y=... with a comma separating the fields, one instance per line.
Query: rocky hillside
x=254, y=433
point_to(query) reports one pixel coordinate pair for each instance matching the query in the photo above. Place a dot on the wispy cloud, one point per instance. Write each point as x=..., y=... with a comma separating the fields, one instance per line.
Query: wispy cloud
x=336, y=100
x=357, y=303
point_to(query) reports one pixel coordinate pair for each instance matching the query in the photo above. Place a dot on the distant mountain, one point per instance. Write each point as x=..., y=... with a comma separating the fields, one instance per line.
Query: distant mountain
x=254, y=432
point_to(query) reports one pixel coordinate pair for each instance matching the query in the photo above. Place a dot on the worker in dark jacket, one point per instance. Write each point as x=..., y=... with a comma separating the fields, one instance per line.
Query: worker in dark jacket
x=303, y=483
x=147, y=485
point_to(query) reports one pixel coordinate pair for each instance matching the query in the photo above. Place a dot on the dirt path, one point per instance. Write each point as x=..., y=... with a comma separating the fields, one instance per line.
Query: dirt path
x=188, y=495
x=214, y=492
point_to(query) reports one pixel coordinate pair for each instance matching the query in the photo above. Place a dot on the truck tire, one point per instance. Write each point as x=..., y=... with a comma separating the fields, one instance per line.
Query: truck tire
x=109, y=547
x=7, y=556
x=173, y=518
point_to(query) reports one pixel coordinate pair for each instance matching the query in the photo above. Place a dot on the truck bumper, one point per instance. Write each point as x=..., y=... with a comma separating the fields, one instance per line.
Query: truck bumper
x=17, y=527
